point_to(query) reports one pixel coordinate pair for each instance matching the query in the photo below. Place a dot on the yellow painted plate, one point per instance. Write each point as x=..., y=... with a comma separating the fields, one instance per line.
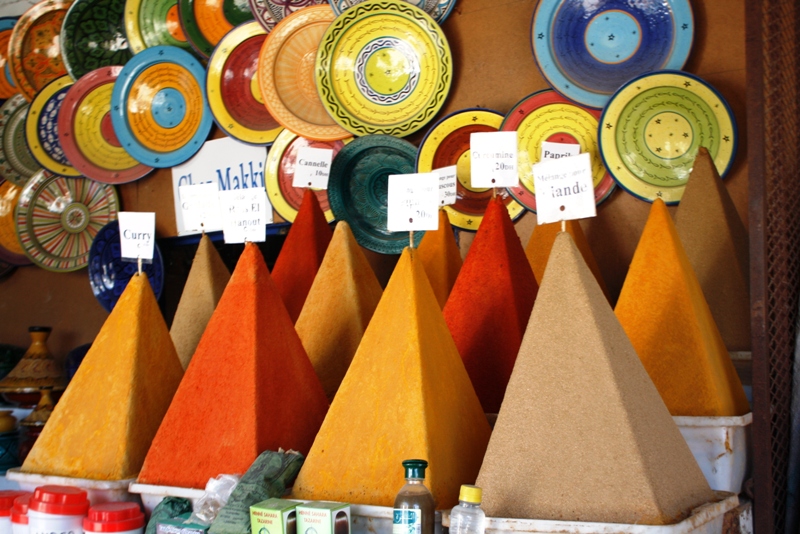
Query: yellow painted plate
x=286, y=75
x=383, y=67
x=41, y=128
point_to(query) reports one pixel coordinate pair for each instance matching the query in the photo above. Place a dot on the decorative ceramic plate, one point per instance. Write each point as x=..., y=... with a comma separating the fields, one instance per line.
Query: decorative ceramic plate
x=446, y=144
x=158, y=106
x=358, y=189
x=442, y=10
x=58, y=217
x=383, y=67
x=339, y=6
x=153, y=23
x=587, y=50
x=232, y=87
x=8, y=87
x=279, y=173
x=41, y=128
x=87, y=136
x=281, y=9
x=34, y=51
x=10, y=249
x=653, y=126
x=286, y=75
x=17, y=164
x=547, y=116
x=205, y=22
x=93, y=36
x=109, y=274
x=261, y=11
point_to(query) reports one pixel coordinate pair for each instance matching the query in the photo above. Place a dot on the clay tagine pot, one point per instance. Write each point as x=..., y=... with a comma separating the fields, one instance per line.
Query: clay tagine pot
x=36, y=370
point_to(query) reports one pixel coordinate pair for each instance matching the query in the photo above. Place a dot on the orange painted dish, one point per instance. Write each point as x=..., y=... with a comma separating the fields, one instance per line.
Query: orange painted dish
x=205, y=22
x=34, y=51
x=287, y=79
x=8, y=87
x=10, y=249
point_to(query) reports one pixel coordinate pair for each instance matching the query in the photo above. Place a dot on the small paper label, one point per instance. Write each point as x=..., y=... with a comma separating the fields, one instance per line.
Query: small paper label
x=312, y=167
x=413, y=202
x=564, y=189
x=200, y=207
x=245, y=215
x=407, y=521
x=137, y=235
x=493, y=159
x=448, y=183
x=559, y=150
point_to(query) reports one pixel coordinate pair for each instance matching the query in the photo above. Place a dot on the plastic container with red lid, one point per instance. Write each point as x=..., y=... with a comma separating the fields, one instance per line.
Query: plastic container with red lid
x=57, y=509
x=6, y=503
x=19, y=514
x=116, y=517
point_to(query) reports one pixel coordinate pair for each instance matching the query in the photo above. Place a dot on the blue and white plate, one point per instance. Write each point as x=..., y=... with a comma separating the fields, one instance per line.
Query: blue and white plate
x=109, y=274
x=587, y=50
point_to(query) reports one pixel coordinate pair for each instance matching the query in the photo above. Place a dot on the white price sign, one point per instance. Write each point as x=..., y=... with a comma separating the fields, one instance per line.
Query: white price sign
x=200, y=207
x=559, y=150
x=312, y=167
x=493, y=159
x=137, y=235
x=413, y=202
x=245, y=215
x=448, y=180
x=564, y=189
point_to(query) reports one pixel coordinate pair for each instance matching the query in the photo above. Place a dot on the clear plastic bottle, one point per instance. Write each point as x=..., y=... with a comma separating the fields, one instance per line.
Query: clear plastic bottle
x=413, y=506
x=468, y=517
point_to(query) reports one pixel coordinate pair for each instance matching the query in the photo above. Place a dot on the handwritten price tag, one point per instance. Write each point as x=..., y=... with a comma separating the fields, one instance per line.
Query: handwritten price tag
x=245, y=215
x=200, y=207
x=448, y=183
x=312, y=167
x=137, y=235
x=559, y=150
x=413, y=202
x=493, y=159
x=564, y=189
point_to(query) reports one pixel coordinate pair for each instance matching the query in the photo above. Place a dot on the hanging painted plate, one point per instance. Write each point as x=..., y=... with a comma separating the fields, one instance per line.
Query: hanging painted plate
x=279, y=173
x=205, y=22
x=93, y=36
x=41, y=128
x=339, y=6
x=34, y=51
x=10, y=249
x=587, y=50
x=17, y=164
x=442, y=10
x=281, y=9
x=261, y=11
x=446, y=144
x=286, y=75
x=158, y=106
x=232, y=87
x=653, y=126
x=153, y=23
x=547, y=116
x=109, y=274
x=8, y=87
x=87, y=136
x=358, y=189
x=383, y=67
x=58, y=217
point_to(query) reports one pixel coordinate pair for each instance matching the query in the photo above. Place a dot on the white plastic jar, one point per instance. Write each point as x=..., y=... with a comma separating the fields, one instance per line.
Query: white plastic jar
x=57, y=510
x=6, y=503
x=114, y=517
x=19, y=514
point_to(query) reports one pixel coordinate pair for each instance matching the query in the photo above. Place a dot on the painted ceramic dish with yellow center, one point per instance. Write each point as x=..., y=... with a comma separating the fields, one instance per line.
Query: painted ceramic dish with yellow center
x=383, y=68
x=446, y=144
x=41, y=128
x=653, y=126
x=153, y=23
x=548, y=116
x=232, y=85
x=159, y=109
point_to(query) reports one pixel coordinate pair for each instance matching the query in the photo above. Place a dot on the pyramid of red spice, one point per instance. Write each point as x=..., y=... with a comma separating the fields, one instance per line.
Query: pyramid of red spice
x=250, y=387
x=301, y=254
x=441, y=258
x=490, y=303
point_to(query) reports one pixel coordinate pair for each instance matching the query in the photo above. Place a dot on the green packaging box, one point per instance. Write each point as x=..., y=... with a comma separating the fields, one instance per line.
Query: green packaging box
x=178, y=525
x=273, y=516
x=322, y=517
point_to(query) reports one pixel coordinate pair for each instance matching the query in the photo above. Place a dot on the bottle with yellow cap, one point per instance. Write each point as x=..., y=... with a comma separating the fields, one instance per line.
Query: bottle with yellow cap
x=468, y=517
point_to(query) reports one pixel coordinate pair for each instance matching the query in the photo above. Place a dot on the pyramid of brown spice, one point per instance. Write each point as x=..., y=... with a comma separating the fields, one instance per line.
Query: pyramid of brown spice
x=583, y=435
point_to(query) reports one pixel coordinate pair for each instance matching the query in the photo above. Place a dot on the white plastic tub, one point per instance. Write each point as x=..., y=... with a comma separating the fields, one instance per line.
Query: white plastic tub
x=721, y=446
x=98, y=491
x=151, y=495
x=706, y=519
x=366, y=519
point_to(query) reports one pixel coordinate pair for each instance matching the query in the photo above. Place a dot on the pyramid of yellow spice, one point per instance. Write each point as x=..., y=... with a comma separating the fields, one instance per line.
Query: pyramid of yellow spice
x=663, y=311
x=104, y=423
x=441, y=258
x=541, y=241
x=716, y=242
x=338, y=308
x=204, y=286
x=582, y=434
x=405, y=395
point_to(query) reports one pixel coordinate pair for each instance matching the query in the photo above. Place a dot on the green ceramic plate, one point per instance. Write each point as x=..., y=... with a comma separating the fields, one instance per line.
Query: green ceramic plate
x=358, y=189
x=17, y=164
x=93, y=36
x=153, y=23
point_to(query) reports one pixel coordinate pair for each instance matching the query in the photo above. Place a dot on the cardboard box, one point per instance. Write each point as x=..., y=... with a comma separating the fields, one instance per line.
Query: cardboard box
x=273, y=516
x=323, y=518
